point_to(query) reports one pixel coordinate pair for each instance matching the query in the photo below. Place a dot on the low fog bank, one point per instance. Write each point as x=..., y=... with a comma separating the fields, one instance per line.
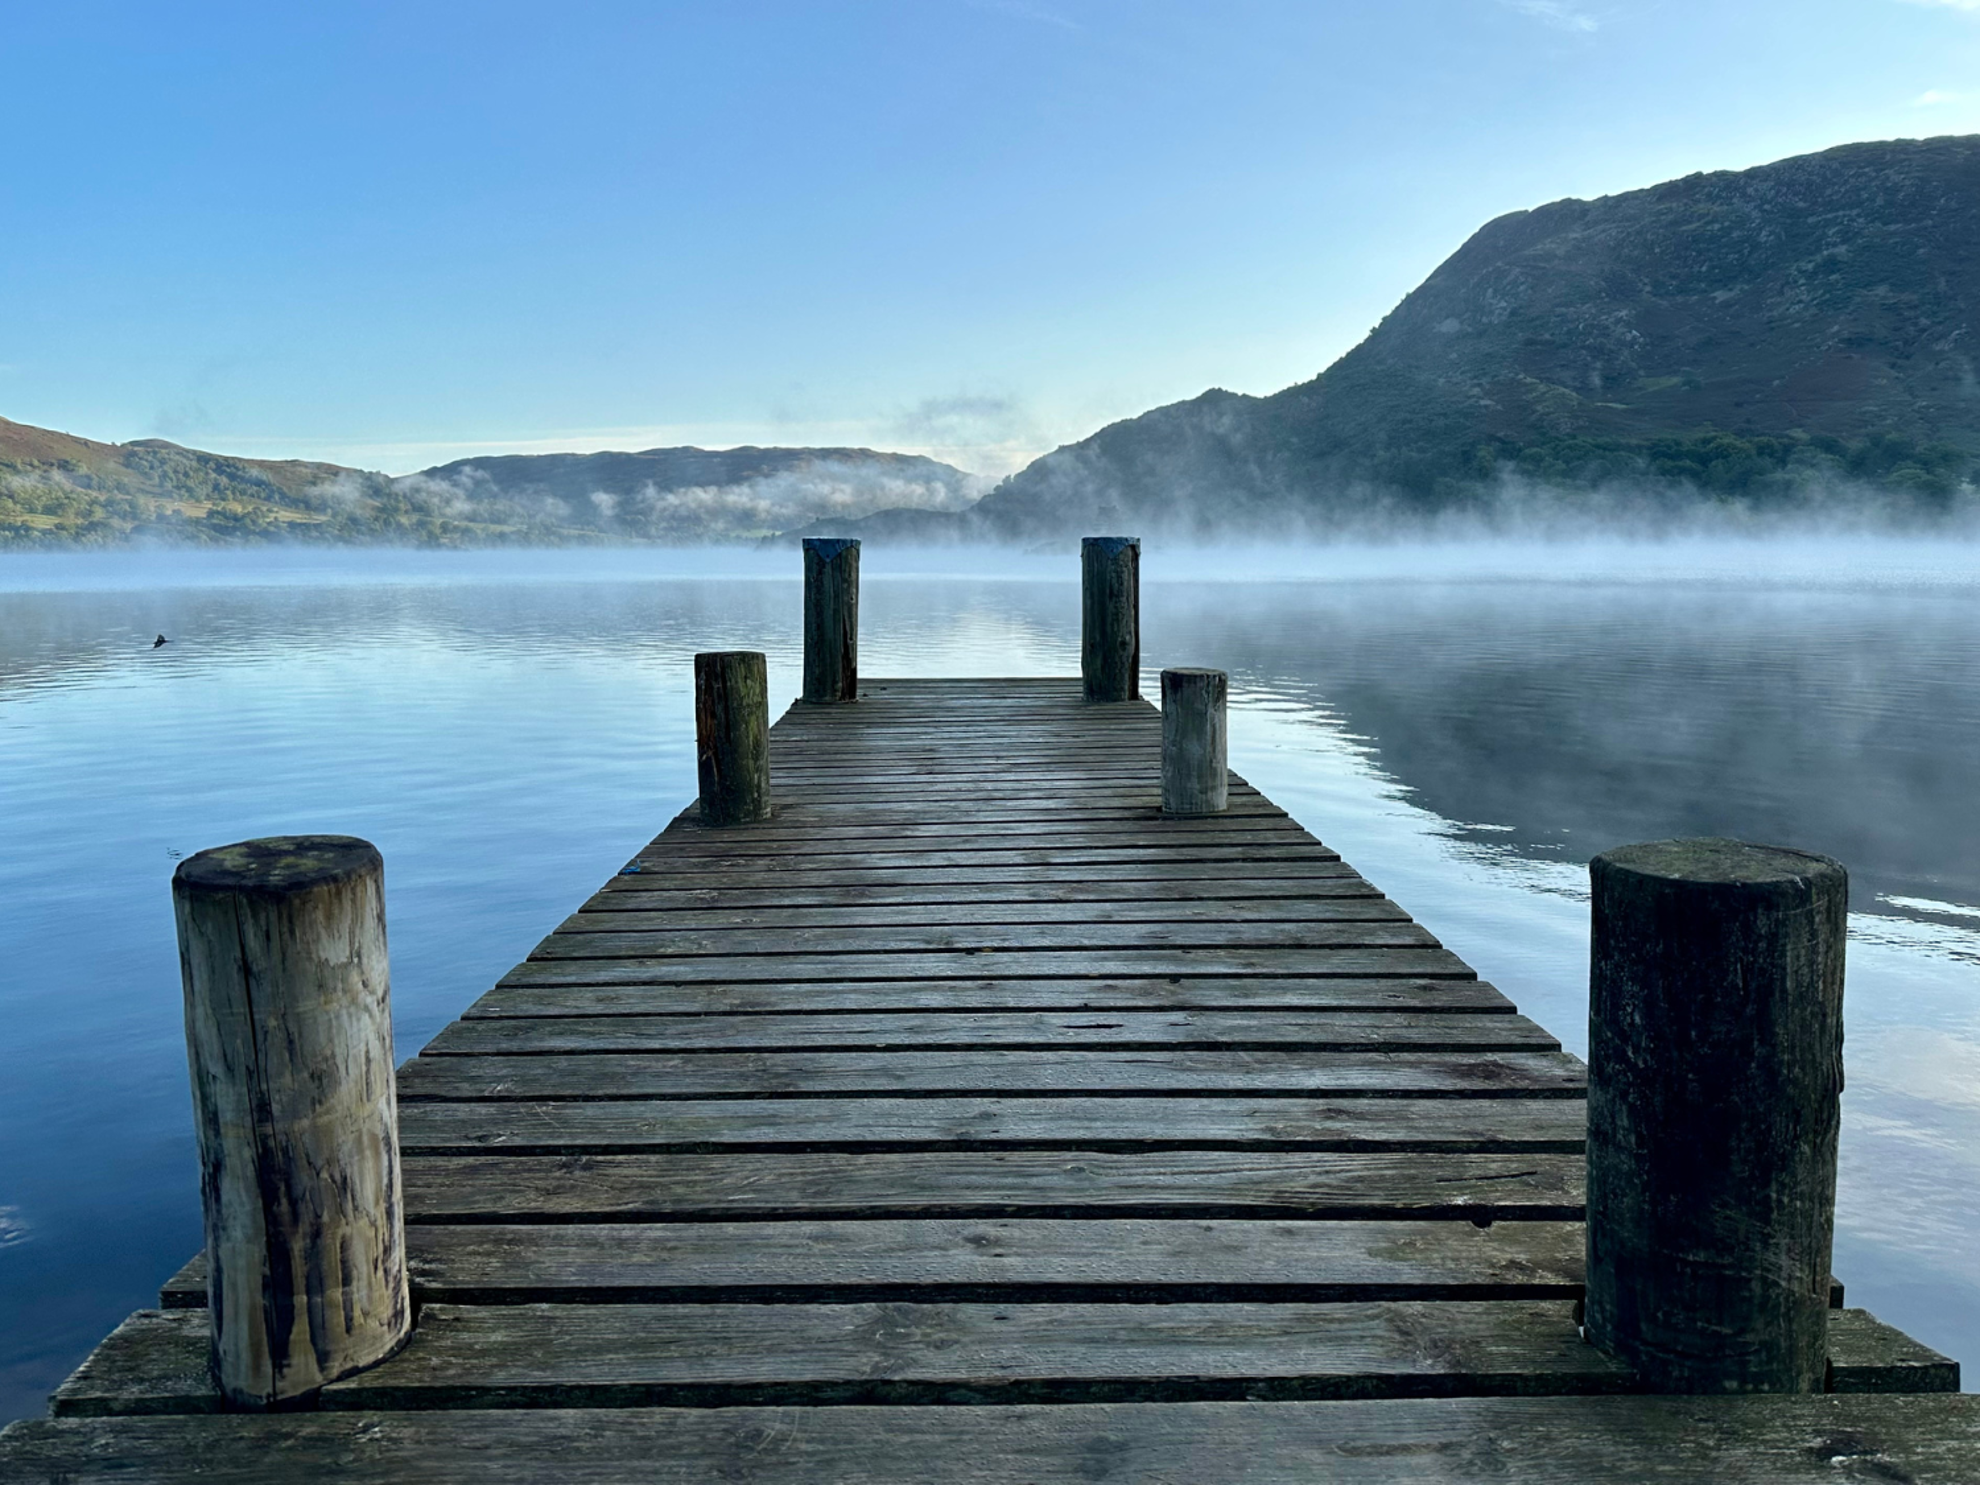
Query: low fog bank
x=782, y=499
x=1817, y=559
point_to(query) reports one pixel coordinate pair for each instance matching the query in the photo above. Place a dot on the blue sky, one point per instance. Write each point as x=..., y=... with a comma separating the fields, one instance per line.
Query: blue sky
x=396, y=234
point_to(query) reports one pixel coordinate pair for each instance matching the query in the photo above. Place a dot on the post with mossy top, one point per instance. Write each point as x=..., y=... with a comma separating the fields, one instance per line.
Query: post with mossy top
x=732, y=735
x=1110, y=617
x=831, y=619
x=1714, y=1102
x=289, y=1039
x=1195, y=773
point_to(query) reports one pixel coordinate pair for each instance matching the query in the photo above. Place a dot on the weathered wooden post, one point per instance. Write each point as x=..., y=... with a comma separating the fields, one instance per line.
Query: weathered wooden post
x=831, y=619
x=1195, y=773
x=732, y=735
x=1110, y=614
x=289, y=1038
x=1714, y=1099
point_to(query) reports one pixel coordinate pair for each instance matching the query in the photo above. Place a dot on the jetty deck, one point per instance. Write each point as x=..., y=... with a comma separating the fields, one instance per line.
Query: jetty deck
x=971, y=1120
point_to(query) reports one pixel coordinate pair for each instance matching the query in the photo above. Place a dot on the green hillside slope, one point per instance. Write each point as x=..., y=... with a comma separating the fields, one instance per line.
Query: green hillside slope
x=1761, y=337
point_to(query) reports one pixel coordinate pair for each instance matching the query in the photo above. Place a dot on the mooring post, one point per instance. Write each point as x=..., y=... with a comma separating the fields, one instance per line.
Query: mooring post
x=1714, y=1100
x=732, y=735
x=831, y=619
x=1195, y=772
x=1110, y=613
x=289, y=1039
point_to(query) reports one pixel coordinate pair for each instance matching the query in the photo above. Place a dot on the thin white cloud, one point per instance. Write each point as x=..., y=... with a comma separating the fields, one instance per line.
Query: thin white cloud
x=1937, y=97
x=1564, y=15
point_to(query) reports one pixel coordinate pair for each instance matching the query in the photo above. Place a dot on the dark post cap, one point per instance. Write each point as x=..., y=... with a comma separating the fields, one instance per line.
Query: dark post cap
x=1113, y=542
x=278, y=865
x=1189, y=670
x=829, y=547
x=1715, y=861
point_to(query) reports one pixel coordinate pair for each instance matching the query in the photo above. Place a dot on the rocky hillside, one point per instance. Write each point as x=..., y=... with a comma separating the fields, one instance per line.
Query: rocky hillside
x=1802, y=331
x=59, y=489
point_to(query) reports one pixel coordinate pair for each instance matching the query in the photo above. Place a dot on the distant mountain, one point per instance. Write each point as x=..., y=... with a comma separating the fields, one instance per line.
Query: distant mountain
x=59, y=489
x=1797, y=336
x=1797, y=333
x=689, y=494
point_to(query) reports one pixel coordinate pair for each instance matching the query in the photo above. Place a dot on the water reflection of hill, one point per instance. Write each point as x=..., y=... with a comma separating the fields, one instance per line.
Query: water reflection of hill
x=1585, y=716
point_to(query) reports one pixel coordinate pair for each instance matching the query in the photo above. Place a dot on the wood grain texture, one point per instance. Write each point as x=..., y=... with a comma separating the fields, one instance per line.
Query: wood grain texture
x=289, y=1038
x=1146, y=1031
x=1195, y=742
x=731, y=736
x=889, y=870
x=997, y=1072
x=609, y=1126
x=1402, y=961
x=864, y=1353
x=1110, y=617
x=638, y=889
x=1856, y=1440
x=1301, y=901
x=1089, y=939
x=831, y=620
x=1102, y=993
x=1359, y=905
x=1008, y=1183
x=1015, y=1260
x=1716, y=1030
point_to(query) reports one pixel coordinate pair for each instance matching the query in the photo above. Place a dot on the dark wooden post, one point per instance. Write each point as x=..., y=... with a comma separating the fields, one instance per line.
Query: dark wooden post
x=831, y=619
x=1110, y=612
x=1714, y=1099
x=289, y=1038
x=732, y=735
x=1195, y=774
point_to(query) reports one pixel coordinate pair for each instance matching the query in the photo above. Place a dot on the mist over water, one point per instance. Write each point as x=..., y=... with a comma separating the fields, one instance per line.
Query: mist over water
x=1466, y=722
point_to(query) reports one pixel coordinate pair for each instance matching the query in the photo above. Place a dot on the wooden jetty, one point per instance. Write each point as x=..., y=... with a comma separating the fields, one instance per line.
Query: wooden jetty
x=969, y=1118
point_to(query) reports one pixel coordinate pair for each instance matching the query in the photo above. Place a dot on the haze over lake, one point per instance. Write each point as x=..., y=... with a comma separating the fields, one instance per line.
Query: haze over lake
x=1467, y=724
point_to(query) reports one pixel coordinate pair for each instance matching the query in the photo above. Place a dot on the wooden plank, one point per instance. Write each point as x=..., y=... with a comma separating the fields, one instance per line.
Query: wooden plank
x=1105, y=993
x=937, y=796
x=648, y=891
x=1482, y=1126
x=797, y=814
x=1008, y=1183
x=714, y=1355
x=801, y=815
x=1088, y=939
x=1355, y=963
x=938, y=1073
x=701, y=1354
x=1020, y=1030
x=1920, y=1440
x=651, y=875
x=617, y=915
x=699, y=844
x=1866, y=1355
x=997, y=1260
x=688, y=833
x=1128, y=852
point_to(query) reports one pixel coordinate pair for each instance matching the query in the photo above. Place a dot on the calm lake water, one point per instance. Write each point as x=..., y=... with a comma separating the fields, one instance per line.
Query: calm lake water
x=1466, y=724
